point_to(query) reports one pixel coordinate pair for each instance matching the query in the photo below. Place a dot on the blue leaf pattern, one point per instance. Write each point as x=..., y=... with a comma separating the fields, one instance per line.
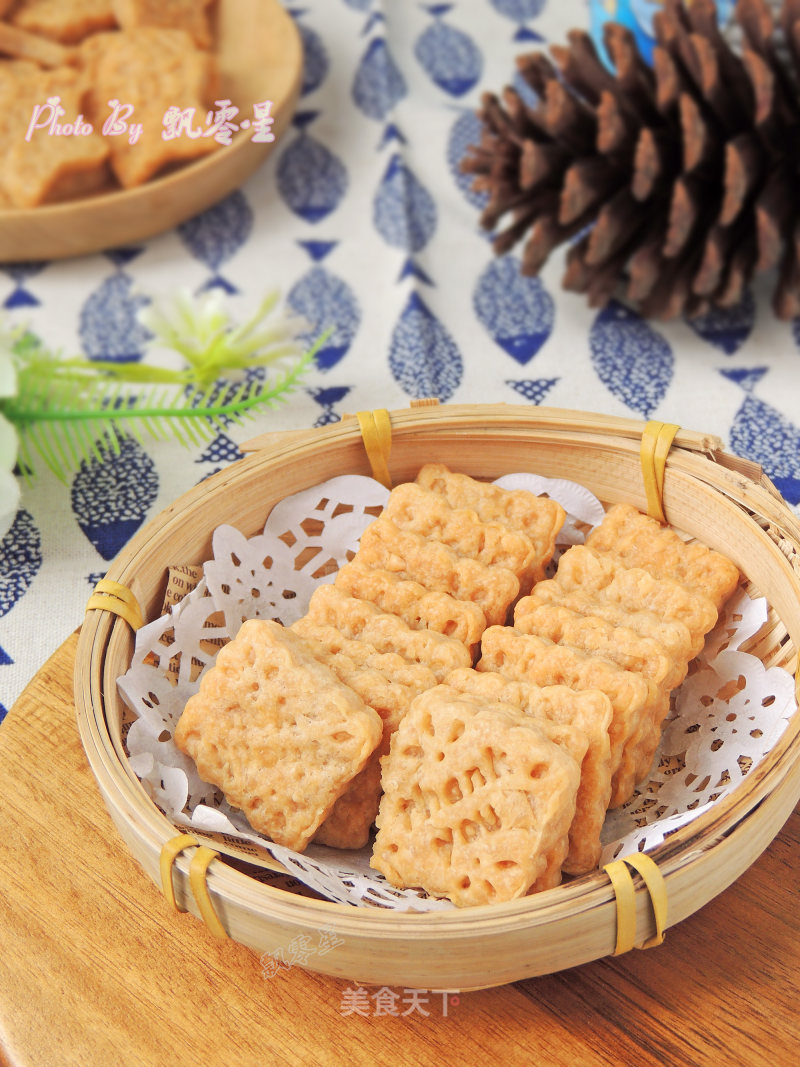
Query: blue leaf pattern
x=404, y=212
x=311, y=179
x=111, y=496
x=378, y=84
x=20, y=560
x=108, y=325
x=762, y=434
x=532, y=390
x=423, y=357
x=633, y=361
x=450, y=57
x=326, y=301
x=519, y=10
x=465, y=131
x=216, y=235
x=727, y=329
x=327, y=399
x=315, y=60
x=517, y=312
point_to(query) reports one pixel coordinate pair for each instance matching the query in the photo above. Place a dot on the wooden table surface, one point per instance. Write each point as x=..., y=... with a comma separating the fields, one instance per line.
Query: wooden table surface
x=94, y=969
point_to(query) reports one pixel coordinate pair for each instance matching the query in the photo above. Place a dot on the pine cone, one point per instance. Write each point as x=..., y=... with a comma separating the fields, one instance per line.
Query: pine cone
x=683, y=175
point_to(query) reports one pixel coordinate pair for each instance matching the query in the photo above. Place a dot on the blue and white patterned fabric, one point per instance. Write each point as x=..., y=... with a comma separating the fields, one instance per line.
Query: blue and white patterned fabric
x=363, y=220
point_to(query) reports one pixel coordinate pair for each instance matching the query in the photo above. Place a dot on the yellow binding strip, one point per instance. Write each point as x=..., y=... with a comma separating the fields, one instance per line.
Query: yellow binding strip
x=117, y=598
x=625, y=894
x=657, y=439
x=376, y=431
x=199, y=886
x=169, y=853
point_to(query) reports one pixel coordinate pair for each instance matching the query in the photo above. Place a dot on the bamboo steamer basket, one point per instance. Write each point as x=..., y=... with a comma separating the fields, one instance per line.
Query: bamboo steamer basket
x=722, y=500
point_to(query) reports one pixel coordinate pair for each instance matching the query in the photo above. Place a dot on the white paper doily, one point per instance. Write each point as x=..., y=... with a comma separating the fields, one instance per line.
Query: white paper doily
x=728, y=714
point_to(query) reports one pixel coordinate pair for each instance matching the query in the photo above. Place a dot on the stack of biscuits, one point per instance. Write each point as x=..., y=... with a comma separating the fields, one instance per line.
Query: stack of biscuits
x=123, y=60
x=441, y=689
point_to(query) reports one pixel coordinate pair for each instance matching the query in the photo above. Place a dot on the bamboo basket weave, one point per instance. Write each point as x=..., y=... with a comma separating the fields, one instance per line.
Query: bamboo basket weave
x=725, y=502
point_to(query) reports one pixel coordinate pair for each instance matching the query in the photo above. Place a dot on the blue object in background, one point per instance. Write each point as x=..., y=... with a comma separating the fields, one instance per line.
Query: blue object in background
x=637, y=15
x=517, y=312
x=532, y=390
x=20, y=297
x=112, y=495
x=449, y=57
x=764, y=435
x=325, y=301
x=404, y=212
x=633, y=361
x=378, y=85
x=727, y=328
x=465, y=131
x=216, y=235
x=327, y=399
x=108, y=326
x=423, y=357
x=311, y=179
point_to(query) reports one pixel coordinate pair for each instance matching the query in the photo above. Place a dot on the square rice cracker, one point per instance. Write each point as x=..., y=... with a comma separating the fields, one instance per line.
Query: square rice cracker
x=420, y=608
x=277, y=732
x=635, y=589
x=386, y=683
x=639, y=541
x=410, y=507
x=68, y=21
x=362, y=621
x=635, y=702
x=477, y=801
x=672, y=634
x=48, y=169
x=188, y=15
x=594, y=635
x=154, y=69
x=538, y=517
x=578, y=721
x=435, y=566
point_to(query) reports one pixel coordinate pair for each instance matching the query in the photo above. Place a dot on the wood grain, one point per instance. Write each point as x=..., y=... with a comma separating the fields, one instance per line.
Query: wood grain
x=95, y=970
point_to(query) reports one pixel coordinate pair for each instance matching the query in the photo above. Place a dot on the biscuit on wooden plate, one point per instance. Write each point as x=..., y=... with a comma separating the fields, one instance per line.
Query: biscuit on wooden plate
x=636, y=540
x=277, y=732
x=408, y=555
x=477, y=801
x=67, y=21
x=578, y=721
x=188, y=15
x=420, y=608
x=47, y=168
x=153, y=69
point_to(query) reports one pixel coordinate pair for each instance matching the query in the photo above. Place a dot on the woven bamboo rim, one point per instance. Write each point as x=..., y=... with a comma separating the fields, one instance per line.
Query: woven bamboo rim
x=724, y=501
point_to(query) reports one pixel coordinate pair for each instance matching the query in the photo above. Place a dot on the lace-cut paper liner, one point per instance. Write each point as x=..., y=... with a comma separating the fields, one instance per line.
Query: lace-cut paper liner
x=718, y=730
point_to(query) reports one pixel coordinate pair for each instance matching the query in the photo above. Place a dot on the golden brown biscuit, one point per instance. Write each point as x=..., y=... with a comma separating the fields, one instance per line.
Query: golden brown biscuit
x=636, y=702
x=579, y=721
x=633, y=589
x=149, y=71
x=672, y=634
x=410, y=507
x=188, y=15
x=277, y=732
x=591, y=634
x=360, y=620
x=538, y=517
x=40, y=166
x=435, y=566
x=636, y=540
x=420, y=608
x=67, y=21
x=477, y=801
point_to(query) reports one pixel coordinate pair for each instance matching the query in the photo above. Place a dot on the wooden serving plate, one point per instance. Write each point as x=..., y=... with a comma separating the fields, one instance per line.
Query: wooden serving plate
x=261, y=58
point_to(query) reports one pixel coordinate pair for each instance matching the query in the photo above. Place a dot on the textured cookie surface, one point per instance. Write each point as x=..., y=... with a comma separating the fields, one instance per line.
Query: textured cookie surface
x=579, y=721
x=477, y=801
x=279, y=734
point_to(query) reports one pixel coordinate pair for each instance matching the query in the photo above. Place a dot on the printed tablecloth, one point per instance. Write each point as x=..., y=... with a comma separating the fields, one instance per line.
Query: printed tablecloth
x=364, y=221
